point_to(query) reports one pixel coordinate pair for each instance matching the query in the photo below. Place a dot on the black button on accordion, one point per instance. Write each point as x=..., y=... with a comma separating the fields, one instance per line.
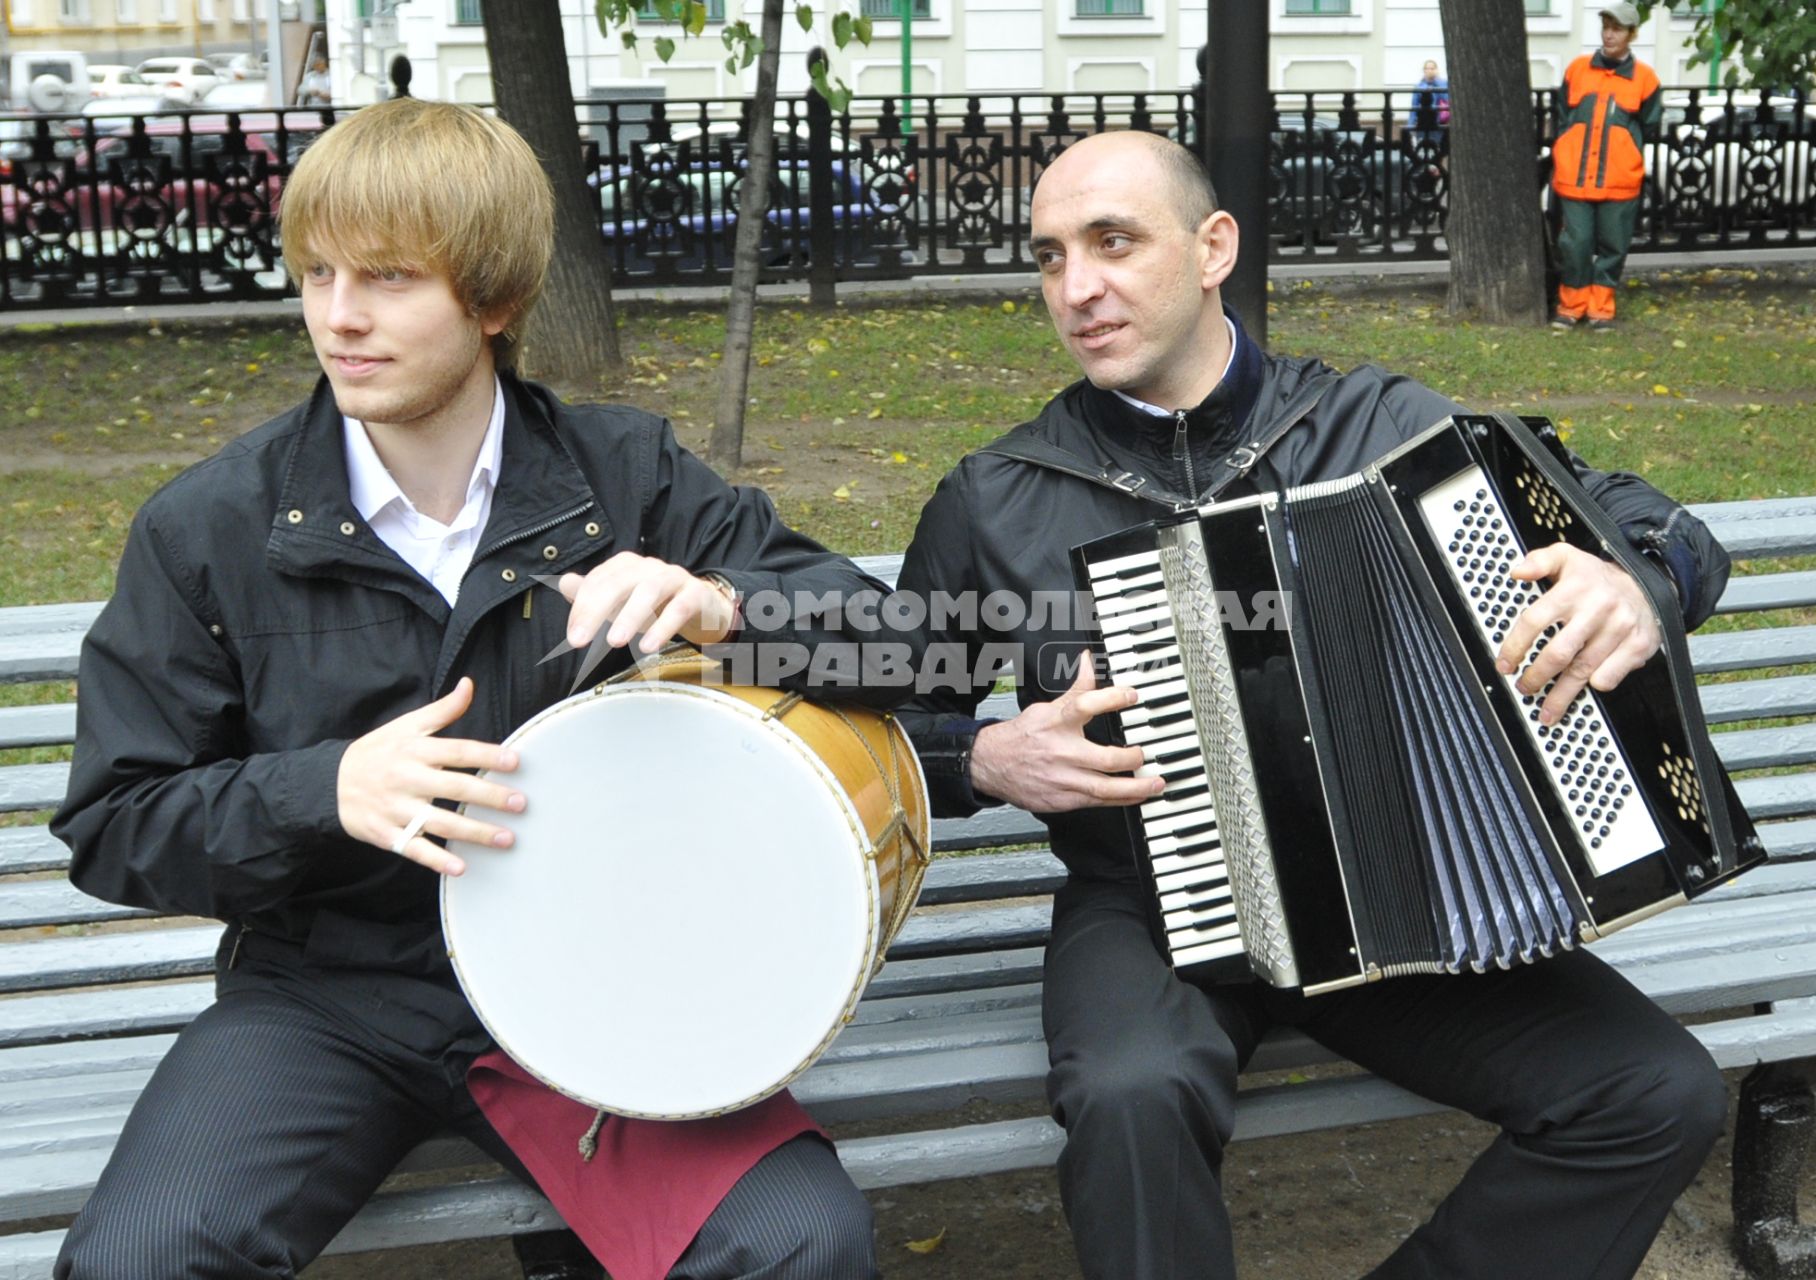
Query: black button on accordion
x=1353, y=790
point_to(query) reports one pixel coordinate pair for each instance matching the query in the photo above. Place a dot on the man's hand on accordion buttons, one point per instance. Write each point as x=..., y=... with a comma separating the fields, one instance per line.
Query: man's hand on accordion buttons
x=1606, y=628
x=1042, y=761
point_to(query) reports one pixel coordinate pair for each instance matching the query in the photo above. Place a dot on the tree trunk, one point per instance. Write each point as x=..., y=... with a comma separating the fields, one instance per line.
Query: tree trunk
x=725, y=448
x=1495, y=229
x=573, y=333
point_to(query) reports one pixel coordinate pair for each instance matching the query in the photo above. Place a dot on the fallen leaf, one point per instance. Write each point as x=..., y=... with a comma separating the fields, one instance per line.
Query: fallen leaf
x=929, y=1245
x=842, y=493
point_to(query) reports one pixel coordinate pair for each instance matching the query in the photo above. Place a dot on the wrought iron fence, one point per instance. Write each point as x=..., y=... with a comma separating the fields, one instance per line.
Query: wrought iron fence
x=182, y=207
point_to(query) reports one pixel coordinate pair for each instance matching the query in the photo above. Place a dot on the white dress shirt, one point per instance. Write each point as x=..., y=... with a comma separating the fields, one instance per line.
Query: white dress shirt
x=1157, y=411
x=439, y=552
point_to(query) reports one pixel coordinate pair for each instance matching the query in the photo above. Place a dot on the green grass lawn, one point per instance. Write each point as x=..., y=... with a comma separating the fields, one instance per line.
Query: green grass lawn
x=1707, y=389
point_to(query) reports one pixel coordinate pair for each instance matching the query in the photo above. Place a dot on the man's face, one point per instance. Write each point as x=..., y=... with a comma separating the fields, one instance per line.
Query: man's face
x=1431, y=71
x=1615, y=39
x=1123, y=274
x=397, y=345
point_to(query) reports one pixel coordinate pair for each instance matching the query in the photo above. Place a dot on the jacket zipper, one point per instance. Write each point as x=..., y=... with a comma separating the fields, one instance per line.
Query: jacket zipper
x=1184, y=454
x=544, y=527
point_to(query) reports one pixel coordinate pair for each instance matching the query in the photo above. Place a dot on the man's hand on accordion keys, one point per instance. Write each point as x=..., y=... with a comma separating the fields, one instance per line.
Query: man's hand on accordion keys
x=1592, y=627
x=1042, y=761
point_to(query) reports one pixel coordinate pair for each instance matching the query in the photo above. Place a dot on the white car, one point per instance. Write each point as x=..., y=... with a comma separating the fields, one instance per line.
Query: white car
x=189, y=77
x=237, y=95
x=114, y=80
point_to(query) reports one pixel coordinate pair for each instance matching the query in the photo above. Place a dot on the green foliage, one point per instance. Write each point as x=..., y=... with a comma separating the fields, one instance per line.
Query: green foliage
x=742, y=44
x=1774, y=42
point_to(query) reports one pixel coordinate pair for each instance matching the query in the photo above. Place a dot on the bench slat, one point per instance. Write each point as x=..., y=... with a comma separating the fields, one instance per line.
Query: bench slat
x=1766, y=748
x=1762, y=526
x=25, y=849
x=53, y=902
x=1758, y=699
x=50, y=724
x=32, y=786
x=1755, y=592
x=1787, y=796
x=1761, y=647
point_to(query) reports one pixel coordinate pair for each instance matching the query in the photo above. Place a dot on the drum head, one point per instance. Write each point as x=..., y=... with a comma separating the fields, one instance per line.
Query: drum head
x=686, y=915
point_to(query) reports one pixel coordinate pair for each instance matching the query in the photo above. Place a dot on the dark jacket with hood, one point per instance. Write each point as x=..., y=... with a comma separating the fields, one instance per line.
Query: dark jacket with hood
x=1000, y=524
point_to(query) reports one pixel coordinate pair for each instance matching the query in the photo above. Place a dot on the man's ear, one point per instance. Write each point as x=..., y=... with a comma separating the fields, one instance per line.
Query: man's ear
x=1218, y=240
x=493, y=323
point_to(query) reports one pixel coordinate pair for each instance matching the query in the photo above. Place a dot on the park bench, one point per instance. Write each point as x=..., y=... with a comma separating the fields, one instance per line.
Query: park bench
x=85, y=1013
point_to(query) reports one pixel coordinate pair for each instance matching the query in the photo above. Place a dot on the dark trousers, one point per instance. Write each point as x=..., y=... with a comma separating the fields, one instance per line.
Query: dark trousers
x=276, y=1115
x=1607, y=1107
x=1592, y=245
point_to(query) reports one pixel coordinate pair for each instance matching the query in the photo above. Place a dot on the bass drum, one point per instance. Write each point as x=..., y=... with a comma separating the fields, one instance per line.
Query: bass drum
x=704, y=878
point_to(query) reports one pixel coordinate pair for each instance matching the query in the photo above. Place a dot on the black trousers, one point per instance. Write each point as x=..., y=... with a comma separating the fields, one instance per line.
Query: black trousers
x=282, y=1107
x=1607, y=1107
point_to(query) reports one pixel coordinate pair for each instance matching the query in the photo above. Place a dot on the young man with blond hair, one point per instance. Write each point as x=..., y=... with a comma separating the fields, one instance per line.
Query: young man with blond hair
x=1606, y=1107
x=317, y=636
x=1607, y=110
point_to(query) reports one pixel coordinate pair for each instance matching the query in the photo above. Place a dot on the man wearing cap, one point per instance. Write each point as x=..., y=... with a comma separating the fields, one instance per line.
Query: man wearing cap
x=1608, y=106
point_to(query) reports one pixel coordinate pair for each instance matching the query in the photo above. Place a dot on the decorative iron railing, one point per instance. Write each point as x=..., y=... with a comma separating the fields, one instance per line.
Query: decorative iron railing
x=182, y=207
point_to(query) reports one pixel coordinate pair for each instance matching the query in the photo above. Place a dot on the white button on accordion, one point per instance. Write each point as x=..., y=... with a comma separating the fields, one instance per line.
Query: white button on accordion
x=1353, y=790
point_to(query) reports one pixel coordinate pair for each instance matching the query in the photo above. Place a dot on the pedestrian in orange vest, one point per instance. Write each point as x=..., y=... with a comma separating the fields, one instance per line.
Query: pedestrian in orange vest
x=1607, y=109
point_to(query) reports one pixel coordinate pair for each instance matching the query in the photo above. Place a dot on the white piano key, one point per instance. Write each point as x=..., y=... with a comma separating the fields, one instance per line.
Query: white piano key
x=1207, y=878
x=1156, y=626
x=1201, y=905
x=1131, y=593
x=1183, y=930
x=1155, y=810
x=1170, y=854
x=1123, y=564
x=1221, y=949
x=1154, y=696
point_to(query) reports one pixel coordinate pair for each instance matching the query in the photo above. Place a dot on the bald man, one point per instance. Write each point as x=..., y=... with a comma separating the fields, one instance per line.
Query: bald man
x=1606, y=1106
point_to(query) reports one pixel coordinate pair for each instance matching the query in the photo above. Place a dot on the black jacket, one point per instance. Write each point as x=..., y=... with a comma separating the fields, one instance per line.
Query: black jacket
x=258, y=625
x=1002, y=525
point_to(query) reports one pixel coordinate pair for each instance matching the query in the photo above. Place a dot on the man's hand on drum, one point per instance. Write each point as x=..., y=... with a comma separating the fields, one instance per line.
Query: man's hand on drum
x=634, y=593
x=391, y=778
x=1606, y=628
x=1042, y=761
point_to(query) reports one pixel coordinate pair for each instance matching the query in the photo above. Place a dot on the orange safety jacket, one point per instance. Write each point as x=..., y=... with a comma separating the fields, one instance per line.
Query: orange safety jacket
x=1603, y=116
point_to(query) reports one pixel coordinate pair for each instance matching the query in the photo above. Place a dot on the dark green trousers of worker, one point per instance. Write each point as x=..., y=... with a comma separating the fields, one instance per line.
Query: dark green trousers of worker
x=1592, y=251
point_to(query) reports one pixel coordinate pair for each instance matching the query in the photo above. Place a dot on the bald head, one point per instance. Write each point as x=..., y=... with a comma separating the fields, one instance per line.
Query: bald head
x=1140, y=159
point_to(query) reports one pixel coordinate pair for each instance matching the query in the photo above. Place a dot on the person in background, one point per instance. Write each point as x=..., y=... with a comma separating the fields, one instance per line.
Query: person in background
x=1429, y=114
x=317, y=88
x=1608, y=108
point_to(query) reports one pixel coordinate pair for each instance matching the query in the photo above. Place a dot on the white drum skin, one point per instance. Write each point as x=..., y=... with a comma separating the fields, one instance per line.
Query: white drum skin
x=688, y=914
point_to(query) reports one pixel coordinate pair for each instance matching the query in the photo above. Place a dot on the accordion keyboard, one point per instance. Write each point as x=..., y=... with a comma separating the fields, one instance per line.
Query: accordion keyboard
x=1179, y=827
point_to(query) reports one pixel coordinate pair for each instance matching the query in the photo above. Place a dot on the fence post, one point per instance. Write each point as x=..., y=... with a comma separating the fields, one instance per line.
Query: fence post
x=822, y=233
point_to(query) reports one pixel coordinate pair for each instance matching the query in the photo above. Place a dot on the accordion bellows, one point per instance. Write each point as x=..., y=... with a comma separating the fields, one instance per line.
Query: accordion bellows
x=1354, y=792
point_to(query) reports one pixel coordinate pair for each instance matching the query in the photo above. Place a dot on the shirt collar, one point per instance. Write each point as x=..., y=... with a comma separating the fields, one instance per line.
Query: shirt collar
x=1157, y=411
x=370, y=484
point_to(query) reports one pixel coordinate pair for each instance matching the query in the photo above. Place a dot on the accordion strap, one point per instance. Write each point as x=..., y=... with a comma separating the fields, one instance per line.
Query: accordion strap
x=1236, y=464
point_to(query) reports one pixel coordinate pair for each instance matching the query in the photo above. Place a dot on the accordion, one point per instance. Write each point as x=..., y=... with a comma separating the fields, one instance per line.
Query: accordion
x=1354, y=791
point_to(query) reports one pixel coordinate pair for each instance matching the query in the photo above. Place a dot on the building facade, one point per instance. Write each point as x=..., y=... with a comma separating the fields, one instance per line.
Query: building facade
x=973, y=46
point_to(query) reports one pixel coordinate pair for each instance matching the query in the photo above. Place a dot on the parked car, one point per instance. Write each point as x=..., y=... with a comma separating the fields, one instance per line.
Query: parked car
x=115, y=80
x=188, y=78
x=675, y=217
x=1327, y=181
x=237, y=95
x=112, y=202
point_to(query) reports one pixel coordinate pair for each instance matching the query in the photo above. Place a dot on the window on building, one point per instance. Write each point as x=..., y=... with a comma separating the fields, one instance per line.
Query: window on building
x=204, y=10
x=466, y=13
x=1538, y=8
x=72, y=10
x=892, y=8
x=647, y=11
x=1689, y=8
x=1319, y=8
x=1109, y=8
x=242, y=10
x=167, y=10
x=126, y=12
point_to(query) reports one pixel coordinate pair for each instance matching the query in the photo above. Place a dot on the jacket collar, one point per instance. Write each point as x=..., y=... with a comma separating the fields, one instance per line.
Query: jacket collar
x=1214, y=424
x=315, y=528
x=1624, y=67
